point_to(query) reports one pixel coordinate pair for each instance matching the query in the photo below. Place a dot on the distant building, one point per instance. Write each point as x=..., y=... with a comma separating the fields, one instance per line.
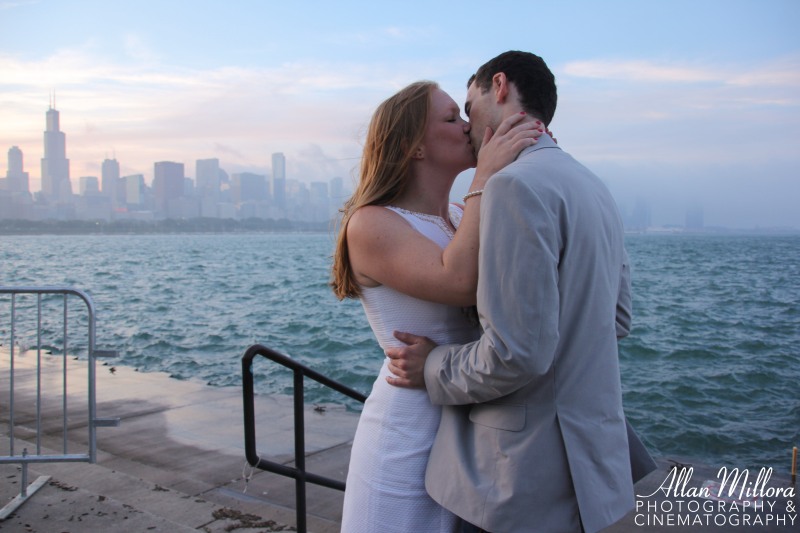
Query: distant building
x=15, y=197
x=248, y=187
x=188, y=187
x=318, y=202
x=183, y=207
x=17, y=180
x=226, y=210
x=207, y=177
x=93, y=206
x=110, y=175
x=56, y=185
x=318, y=191
x=338, y=194
x=641, y=218
x=88, y=185
x=168, y=185
x=134, y=190
x=212, y=194
x=278, y=183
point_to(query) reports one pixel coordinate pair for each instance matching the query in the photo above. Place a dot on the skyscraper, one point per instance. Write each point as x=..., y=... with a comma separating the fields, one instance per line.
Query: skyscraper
x=208, y=179
x=248, y=187
x=134, y=190
x=167, y=184
x=55, y=165
x=16, y=177
x=110, y=180
x=278, y=183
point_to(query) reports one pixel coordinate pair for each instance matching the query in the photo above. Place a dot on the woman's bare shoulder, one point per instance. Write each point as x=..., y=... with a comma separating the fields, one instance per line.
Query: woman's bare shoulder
x=374, y=220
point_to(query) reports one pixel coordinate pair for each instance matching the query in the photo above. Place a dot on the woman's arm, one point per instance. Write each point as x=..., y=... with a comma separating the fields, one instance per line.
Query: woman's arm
x=385, y=250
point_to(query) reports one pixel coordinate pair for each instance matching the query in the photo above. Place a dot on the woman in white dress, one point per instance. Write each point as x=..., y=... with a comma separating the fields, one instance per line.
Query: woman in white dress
x=399, y=252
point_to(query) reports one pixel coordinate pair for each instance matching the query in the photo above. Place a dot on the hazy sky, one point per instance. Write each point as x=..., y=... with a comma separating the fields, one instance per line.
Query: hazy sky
x=676, y=102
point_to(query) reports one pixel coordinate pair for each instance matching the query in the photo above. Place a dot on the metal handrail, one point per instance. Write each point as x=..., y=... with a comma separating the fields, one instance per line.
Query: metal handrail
x=298, y=473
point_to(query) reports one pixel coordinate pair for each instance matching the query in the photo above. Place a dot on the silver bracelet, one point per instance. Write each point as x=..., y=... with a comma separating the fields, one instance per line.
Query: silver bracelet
x=471, y=194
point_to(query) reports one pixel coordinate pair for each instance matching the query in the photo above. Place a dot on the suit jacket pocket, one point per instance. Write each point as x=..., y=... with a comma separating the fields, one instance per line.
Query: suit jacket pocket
x=506, y=416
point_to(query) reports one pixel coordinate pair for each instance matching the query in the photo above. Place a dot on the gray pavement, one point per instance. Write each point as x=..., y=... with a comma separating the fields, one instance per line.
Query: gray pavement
x=176, y=463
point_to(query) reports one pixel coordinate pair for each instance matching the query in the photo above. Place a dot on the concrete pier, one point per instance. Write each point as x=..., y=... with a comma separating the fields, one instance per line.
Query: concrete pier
x=176, y=463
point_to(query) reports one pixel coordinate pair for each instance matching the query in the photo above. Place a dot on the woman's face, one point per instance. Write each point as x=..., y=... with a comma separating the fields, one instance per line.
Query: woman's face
x=446, y=142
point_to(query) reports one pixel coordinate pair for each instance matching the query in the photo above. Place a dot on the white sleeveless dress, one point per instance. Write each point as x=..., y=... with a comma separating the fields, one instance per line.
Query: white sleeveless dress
x=386, y=479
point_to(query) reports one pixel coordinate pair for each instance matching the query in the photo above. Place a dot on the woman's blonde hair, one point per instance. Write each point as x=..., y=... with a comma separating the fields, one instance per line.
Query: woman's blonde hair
x=395, y=132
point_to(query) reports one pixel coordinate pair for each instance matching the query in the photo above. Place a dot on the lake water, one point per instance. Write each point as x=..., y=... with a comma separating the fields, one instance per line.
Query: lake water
x=711, y=369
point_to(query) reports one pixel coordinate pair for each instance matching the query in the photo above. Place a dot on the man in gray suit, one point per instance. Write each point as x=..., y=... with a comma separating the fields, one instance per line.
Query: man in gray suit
x=533, y=435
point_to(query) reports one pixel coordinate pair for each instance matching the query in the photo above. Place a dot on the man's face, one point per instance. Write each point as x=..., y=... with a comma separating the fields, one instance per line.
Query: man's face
x=480, y=110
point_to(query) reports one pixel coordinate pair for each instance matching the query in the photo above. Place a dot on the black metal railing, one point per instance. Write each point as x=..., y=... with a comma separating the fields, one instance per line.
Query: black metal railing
x=298, y=472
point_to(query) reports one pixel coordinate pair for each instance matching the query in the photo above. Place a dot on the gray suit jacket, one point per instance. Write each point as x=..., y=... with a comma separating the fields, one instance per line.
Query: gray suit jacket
x=533, y=436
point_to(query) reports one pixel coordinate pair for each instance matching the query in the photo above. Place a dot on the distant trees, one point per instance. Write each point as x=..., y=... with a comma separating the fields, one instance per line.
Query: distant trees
x=169, y=225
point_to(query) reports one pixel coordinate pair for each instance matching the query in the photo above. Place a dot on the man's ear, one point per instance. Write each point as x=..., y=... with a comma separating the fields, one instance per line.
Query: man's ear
x=500, y=87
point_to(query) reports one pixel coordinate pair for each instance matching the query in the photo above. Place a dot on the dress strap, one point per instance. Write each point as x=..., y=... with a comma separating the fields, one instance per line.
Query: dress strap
x=456, y=212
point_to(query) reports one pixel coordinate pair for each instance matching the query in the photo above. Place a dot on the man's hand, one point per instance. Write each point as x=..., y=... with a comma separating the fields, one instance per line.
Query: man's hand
x=408, y=362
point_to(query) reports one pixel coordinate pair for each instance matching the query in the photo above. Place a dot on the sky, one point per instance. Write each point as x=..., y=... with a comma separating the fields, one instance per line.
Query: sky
x=673, y=103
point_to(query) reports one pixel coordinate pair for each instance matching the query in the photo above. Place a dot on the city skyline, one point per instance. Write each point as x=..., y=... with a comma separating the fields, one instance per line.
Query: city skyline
x=676, y=104
x=213, y=196
x=172, y=194
x=55, y=168
x=212, y=193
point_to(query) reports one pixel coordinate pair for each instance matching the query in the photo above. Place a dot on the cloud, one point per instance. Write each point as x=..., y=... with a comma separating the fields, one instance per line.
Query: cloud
x=150, y=112
x=677, y=134
x=228, y=150
x=381, y=37
x=17, y=3
x=780, y=73
x=136, y=48
x=684, y=100
x=639, y=71
x=312, y=160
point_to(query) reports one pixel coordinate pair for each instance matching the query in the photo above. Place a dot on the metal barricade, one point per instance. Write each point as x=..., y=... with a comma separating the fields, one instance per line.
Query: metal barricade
x=43, y=333
x=298, y=472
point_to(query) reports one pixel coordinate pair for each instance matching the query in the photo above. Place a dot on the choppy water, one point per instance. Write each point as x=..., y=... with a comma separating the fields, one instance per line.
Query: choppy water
x=711, y=369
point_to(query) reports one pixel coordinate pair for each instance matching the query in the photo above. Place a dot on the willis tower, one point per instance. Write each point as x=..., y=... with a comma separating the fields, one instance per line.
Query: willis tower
x=56, y=185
